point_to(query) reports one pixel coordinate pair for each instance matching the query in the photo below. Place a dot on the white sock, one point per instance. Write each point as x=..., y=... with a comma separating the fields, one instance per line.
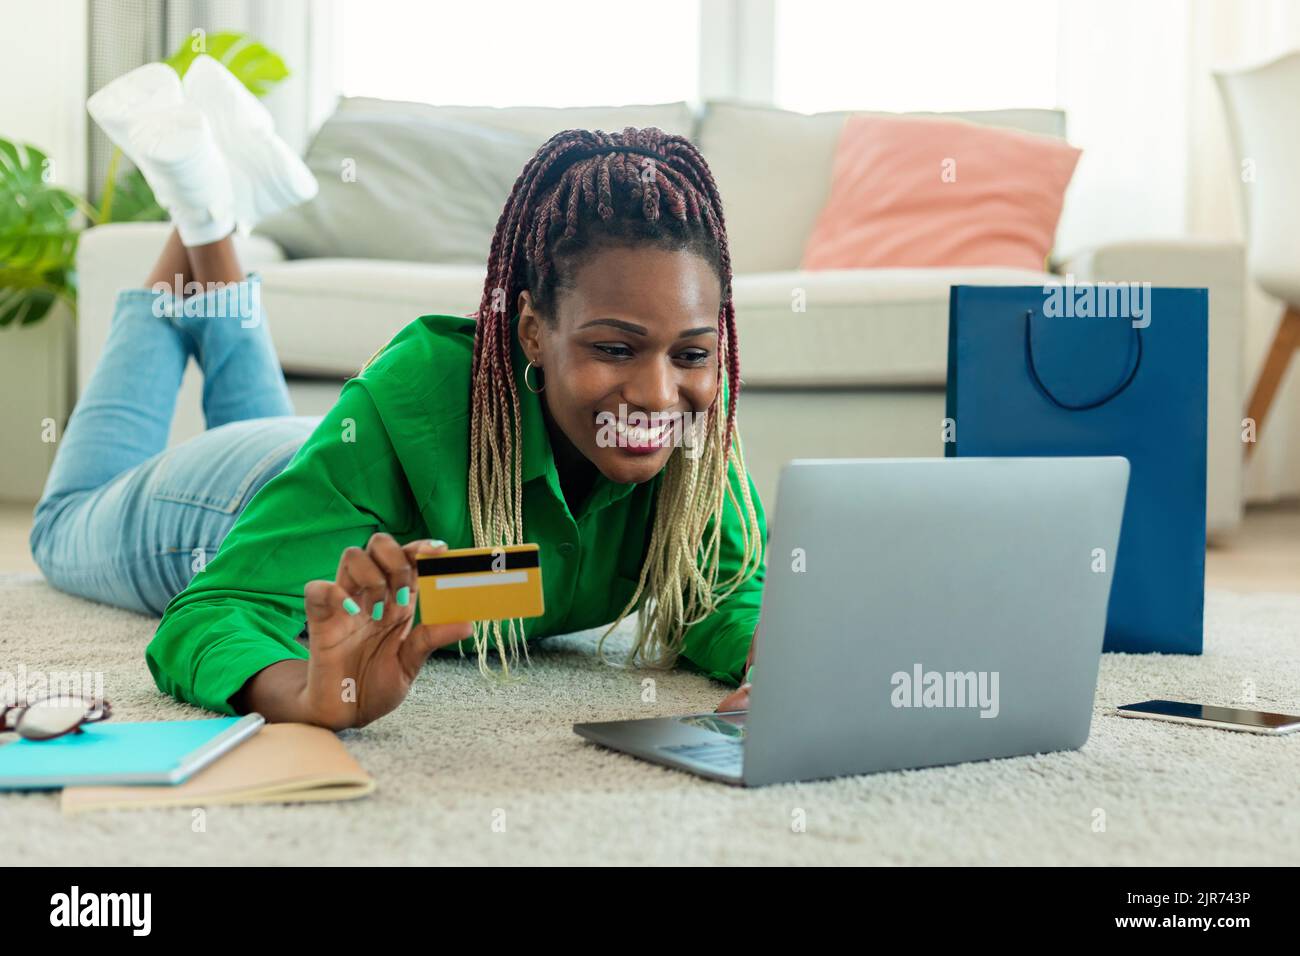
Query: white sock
x=117, y=106
x=143, y=112
x=266, y=175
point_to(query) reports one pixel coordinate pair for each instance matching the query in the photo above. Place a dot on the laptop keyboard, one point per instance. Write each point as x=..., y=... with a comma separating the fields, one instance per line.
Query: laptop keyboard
x=725, y=755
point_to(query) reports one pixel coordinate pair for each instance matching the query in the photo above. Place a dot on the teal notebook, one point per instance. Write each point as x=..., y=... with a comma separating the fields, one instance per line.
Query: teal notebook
x=153, y=752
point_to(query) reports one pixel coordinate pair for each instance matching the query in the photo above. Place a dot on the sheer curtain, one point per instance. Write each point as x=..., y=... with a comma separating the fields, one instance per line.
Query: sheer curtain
x=299, y=30
x=1227, y=35
x=1137, y=84
x=520, y=52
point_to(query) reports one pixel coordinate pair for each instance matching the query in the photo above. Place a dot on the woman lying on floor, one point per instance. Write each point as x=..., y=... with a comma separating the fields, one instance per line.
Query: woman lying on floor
x=608, y=287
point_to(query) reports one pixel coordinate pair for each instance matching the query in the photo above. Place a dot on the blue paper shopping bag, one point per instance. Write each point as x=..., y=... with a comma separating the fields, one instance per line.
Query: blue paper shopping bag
x=1105, y=369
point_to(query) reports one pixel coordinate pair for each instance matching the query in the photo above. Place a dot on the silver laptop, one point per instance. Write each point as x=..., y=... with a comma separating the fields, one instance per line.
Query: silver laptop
x=915, y=612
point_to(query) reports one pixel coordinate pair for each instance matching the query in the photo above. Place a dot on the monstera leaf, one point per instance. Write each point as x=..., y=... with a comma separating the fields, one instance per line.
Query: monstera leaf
x=253, y=64
x=38, y=236
x=130, y=200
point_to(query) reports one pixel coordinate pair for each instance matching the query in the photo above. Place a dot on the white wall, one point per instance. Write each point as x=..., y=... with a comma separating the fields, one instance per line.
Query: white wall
x=43, y=82
x=42, y=102
x=1122, y=81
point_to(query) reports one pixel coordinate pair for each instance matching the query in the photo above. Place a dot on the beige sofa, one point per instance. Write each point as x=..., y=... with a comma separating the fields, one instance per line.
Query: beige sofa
x=859, y=372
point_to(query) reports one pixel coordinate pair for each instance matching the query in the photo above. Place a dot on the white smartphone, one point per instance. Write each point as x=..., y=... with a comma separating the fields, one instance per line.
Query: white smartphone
x=1225, y=718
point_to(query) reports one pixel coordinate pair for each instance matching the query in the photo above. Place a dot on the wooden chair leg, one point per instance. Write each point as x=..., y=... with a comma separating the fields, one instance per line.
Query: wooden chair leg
x=1285, y=343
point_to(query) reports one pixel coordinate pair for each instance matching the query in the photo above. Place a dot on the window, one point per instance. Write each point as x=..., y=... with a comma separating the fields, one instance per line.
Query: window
x=917, y=55
x=518, y=53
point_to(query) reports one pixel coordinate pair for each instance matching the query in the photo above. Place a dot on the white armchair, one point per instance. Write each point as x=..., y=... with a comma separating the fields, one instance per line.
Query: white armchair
x=1263, y=110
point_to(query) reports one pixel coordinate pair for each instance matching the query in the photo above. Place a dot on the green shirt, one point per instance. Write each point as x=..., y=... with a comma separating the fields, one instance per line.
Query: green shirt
x=393, y=455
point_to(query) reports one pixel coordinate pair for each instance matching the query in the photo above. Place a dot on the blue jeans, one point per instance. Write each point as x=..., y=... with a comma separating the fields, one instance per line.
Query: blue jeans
x=127, y=521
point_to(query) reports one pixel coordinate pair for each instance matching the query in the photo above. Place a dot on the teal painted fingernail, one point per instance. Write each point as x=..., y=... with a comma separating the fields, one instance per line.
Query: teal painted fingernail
x=378, y=612
x=351, y=606
x=403, y=596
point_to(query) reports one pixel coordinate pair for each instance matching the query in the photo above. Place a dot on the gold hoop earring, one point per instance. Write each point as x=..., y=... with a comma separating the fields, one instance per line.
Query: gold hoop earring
x=535, y=391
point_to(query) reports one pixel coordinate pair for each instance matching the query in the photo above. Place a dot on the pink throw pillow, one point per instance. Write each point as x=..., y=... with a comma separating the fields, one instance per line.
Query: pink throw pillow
x=918, y=192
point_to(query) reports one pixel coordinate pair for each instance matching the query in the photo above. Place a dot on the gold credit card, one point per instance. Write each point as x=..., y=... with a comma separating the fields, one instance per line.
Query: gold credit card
x=480, y=584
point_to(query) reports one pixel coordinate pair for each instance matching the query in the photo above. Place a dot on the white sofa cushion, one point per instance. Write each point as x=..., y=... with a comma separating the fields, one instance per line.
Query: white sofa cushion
x=328, y=316
x=409, y=188
x=861, y=327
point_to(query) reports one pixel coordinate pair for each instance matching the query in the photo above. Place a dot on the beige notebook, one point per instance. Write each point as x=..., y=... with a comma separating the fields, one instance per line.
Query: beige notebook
x=282, y=763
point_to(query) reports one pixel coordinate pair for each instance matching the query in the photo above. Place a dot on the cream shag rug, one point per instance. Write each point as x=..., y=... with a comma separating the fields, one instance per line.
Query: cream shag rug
x=458, y=760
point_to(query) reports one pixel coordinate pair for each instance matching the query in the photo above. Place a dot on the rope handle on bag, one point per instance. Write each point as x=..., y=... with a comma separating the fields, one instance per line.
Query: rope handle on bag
x=1033, y=371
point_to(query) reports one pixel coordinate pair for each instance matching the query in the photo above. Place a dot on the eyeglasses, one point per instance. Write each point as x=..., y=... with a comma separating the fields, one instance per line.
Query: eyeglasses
x=52, y=717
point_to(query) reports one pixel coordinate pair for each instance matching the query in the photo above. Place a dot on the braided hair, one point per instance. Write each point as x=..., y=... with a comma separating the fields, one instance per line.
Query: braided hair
x=583, y=191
